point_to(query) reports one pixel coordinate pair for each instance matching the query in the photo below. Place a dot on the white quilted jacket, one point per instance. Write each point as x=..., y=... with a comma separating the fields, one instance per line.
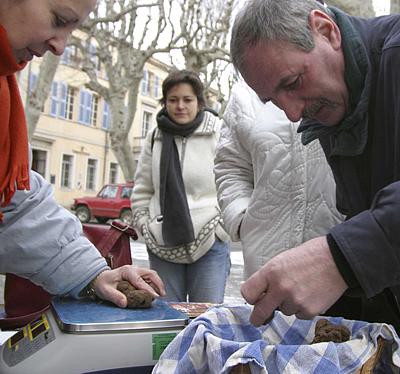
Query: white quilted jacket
x=278, y=192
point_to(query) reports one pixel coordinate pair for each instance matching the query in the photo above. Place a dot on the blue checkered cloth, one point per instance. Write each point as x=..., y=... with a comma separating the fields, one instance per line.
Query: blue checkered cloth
x=222, y=338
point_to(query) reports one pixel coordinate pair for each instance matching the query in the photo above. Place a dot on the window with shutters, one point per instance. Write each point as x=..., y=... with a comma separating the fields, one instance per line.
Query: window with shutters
x=145, y=88
x=71, y=92
x=66, y=171
x=147, y=119
x=113, y=175
x=91, y=174
x=106, y=115
x=156, y=87
x=94, y=109
x=58, y=99
x=85, y=107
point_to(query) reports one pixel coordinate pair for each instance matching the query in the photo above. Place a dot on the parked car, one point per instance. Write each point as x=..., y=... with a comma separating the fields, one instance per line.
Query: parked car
x=113, y=201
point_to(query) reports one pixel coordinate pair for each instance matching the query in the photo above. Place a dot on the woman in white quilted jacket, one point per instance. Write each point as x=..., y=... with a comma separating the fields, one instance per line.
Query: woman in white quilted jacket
x=174, y=200
x=274, y=193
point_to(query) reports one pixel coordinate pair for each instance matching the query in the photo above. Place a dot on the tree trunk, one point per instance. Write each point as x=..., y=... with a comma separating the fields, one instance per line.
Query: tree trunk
x=119, y=137
x=39, y=94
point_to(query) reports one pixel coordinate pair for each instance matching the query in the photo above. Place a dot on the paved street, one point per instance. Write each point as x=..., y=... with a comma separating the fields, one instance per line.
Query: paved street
x=232, y=292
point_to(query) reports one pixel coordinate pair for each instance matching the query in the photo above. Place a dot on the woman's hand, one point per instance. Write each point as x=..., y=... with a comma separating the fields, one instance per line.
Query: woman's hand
x=105, y=284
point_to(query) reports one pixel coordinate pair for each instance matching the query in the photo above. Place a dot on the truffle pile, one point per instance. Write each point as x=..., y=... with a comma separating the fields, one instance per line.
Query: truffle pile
x=328, y=332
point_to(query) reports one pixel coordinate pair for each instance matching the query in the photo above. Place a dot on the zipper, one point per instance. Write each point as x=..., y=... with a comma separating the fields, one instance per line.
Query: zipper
x=184, y=139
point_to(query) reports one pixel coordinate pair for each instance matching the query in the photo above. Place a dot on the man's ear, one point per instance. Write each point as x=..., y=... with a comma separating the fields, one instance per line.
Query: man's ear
x=323, y=25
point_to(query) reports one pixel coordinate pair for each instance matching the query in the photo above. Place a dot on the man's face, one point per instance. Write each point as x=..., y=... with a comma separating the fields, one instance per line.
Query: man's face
x=36, y=26
x=303, y=85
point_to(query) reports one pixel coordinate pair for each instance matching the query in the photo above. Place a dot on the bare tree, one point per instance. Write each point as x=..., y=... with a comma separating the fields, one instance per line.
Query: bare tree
x=37, y=95
x=127, y=33
x=205, y=27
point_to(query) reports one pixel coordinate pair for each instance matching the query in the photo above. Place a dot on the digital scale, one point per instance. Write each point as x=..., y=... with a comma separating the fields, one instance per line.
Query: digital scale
x=83, y=336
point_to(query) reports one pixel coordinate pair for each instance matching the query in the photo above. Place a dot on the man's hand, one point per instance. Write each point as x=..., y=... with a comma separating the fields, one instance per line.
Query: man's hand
x=303, y=281
x=105, y=284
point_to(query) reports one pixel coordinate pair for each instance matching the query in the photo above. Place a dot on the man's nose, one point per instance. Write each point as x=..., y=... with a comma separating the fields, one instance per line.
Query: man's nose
x=57, y=44
x=293, y=108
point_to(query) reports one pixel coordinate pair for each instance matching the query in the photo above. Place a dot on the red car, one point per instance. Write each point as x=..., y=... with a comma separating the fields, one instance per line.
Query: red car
x=113, y=201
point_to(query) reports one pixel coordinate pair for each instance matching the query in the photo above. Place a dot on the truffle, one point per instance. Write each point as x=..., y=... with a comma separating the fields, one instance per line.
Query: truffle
x=328, y=332
x=136, y=298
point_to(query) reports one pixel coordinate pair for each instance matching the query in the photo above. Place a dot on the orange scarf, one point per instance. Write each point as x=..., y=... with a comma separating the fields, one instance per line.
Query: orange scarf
x=14, y=158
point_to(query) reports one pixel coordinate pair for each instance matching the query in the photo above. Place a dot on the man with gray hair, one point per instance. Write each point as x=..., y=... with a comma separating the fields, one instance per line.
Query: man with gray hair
x=341, y=76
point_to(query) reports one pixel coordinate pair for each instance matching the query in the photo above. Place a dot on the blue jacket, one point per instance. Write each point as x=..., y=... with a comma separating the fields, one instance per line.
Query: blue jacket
x=368, y=185
x=43, y=242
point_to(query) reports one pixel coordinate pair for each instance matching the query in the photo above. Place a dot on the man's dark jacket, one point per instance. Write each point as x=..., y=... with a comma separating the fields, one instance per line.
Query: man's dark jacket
x=368, y=184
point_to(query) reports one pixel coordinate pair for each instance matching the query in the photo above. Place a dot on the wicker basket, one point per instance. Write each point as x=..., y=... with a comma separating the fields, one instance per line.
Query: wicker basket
x=241, y=369
x=367, y=368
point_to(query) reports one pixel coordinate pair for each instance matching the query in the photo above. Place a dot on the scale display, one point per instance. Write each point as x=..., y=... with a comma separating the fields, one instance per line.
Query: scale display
x=29, y=340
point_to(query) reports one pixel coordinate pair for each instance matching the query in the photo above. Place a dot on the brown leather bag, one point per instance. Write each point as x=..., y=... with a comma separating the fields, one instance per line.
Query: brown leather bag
x=24, y=301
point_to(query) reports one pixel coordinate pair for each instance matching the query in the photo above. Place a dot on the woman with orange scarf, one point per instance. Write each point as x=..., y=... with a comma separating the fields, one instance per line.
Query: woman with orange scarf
x=39, y=240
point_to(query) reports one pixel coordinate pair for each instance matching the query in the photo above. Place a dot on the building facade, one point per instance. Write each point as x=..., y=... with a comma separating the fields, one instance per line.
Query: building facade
x=70, y=146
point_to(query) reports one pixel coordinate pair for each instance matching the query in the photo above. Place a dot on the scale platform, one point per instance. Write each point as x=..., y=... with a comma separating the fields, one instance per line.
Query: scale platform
x=85, y=336
x=81, y=316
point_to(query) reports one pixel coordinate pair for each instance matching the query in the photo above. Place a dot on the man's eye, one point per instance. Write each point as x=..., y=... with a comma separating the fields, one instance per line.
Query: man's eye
x=59, y=21
x=294, y=85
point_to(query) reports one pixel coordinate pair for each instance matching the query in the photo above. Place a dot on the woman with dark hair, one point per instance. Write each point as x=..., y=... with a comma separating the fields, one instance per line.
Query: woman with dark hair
x=174, y=200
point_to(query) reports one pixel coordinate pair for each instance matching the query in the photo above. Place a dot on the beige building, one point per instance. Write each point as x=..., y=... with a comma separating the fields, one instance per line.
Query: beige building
x=71, y=143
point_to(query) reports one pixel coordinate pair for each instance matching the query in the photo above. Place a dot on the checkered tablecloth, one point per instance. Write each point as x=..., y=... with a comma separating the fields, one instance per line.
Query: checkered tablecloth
x=222, y=337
